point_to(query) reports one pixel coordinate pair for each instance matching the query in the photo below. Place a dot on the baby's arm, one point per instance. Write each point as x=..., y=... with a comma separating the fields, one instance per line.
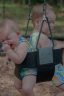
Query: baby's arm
x=19, y=54
x=58, y=44
x=45, y=42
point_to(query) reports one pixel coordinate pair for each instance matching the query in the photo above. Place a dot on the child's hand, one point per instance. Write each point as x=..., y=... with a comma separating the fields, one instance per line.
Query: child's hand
x=8, y=42
x=6, y=46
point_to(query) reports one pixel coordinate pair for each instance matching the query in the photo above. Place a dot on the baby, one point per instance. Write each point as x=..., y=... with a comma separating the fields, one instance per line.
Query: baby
x=44, y=41
x=16, y=50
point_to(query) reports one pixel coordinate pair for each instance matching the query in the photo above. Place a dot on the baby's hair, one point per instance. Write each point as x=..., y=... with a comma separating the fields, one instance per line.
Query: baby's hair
x=7, y=26
x=12, y=24
x=38, y=12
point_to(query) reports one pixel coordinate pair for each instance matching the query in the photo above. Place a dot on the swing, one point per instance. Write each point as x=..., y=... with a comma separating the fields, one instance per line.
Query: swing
x=44, y=59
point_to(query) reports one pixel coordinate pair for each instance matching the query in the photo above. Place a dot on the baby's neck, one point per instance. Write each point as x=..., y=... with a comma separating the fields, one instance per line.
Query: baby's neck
x=36, y=30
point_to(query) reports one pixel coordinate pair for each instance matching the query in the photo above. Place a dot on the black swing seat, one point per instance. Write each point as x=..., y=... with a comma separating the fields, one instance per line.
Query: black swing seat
x=45, y=60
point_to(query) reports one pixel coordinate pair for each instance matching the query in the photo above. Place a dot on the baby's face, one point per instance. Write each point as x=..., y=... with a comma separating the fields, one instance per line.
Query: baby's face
x=12, y=38
x=45, y=28
x=2, y=36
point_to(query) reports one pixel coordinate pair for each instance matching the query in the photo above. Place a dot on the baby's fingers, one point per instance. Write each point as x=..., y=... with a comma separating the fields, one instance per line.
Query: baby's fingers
x=5, y=42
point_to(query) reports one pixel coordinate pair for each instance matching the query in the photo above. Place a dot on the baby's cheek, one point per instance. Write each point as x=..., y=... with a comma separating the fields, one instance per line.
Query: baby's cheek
x=45, y=28
x=52, y=25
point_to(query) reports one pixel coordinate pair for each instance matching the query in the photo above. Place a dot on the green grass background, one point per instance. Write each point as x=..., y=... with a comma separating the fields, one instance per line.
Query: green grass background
x=20, y=14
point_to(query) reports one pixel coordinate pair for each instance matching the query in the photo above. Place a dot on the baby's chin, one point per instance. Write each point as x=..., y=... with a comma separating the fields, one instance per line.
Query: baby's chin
x=46, y=32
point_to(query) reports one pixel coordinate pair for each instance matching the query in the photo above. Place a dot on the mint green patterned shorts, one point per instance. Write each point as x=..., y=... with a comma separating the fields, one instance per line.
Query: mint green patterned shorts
x=22, y=72
x=28, y=71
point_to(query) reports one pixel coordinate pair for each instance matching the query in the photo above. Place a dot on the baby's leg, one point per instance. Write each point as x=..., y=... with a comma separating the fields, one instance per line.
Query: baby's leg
x=28, y=83
x=18, y=84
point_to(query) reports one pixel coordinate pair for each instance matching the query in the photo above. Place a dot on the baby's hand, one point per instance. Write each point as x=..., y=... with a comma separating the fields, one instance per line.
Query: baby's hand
x=5, y=42
x=5, y=46
x=10, y=42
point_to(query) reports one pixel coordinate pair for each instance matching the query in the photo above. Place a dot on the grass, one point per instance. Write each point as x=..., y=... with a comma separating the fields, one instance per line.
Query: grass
x=20, y=14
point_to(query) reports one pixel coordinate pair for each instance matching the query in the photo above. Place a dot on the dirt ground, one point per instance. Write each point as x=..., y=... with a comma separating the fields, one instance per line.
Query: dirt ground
x=7, y=83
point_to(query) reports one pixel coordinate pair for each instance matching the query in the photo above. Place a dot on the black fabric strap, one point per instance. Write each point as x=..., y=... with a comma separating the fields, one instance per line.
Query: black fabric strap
x=32, y=59
x=57, y=56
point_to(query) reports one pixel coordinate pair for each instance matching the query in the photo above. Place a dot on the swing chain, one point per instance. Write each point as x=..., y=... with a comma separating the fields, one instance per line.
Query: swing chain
x=4, y=9
x=29, y=18
x=45, y=19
